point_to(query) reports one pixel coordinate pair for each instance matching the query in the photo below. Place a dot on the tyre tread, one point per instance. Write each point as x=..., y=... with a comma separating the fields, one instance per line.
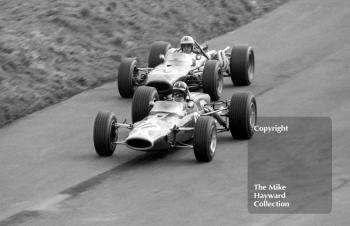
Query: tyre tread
x=239, y=65
x=101, y=133
x=239, y=115
x=157, y=48
x=125, y=85
x=201, y=139
x=140, y=107
x=209, y=76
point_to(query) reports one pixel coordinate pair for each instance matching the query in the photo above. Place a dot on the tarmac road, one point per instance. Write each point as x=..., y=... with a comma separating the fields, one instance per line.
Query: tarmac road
x=50, y=174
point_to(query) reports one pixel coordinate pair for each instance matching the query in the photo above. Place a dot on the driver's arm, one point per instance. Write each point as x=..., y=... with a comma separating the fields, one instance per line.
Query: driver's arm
x=196, y=50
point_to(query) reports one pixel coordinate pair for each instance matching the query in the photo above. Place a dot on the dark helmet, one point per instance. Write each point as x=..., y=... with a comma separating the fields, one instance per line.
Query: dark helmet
x=180, y=90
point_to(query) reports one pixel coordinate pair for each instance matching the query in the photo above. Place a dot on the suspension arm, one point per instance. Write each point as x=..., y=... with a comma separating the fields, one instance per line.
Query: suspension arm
x=123, y=125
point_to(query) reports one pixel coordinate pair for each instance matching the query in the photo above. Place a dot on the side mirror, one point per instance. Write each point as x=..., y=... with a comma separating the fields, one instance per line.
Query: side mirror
x=198, y=57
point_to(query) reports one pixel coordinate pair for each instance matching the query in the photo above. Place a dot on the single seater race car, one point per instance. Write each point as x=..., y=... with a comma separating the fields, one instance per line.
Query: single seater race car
x=204, y=69
x=162, y=124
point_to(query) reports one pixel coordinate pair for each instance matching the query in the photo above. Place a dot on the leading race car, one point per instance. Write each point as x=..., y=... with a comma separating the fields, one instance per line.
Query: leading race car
x=199, y=67
x=163, y=124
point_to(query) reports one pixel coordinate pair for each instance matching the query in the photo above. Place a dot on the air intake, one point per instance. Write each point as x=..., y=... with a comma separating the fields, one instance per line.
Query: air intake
x=139, y=144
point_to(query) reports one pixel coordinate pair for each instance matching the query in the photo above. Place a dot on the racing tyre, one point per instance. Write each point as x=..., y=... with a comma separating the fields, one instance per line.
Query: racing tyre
x=127, y=70
x=105, y=134
x=204, y=139
x=242, y=115
x=212, y=79
x=157, y=48
x=242, y=65
x=141, y=103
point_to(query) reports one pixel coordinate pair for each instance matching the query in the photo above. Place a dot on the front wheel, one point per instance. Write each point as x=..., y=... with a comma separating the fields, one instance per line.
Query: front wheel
x=204, y=139
x=105, y=134
x=141, y=103
x=157, y=48
x=242, y=115
x=242, y=65
x=127, y=72
x=212, y=79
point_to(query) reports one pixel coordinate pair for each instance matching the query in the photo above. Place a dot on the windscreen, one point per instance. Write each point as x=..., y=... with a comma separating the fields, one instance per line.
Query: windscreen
x=178, y=59
x=168, y=107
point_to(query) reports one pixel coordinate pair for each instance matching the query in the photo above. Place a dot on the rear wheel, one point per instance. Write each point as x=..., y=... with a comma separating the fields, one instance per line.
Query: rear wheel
x=242, y=65
x=141, y=103
x=157, y=48
x=105, y=133
x=126, y=74
x=242, y=115
x=212, y=79
x=204, y=139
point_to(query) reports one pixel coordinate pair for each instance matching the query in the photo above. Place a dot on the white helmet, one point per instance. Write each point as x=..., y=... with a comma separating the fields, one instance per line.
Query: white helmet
x=186, y=41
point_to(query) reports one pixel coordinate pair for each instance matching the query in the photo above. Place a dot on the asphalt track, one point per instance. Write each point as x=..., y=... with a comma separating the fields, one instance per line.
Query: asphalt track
x=50, y=174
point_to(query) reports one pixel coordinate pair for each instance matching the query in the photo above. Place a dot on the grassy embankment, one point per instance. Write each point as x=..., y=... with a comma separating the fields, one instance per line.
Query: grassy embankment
x=51, y=50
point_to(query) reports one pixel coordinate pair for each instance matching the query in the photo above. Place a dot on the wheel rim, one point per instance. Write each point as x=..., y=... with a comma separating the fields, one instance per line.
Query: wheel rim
x=251, y=66
x=252, y=118
x=220, y=82
x=134, y=77
x=213, y=142
x=154, y=99
x=113, y=136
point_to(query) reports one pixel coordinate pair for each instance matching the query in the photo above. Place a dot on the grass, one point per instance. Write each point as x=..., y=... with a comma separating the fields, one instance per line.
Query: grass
x=52, y=50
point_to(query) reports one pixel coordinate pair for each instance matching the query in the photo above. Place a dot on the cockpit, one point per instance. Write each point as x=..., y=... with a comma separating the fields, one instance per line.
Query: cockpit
x=168, y=107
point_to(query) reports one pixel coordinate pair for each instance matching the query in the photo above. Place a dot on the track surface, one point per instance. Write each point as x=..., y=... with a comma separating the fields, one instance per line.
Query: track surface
x=50, y=175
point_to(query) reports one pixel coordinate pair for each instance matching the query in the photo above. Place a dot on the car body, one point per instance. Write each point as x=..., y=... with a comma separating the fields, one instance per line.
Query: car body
x=202, y=69
x=154, y=131
x=162, y=124
x=176, y=67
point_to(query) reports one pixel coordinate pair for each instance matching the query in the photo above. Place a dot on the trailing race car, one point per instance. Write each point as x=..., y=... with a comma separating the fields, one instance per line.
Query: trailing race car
x=163, y=124
x=200, y=68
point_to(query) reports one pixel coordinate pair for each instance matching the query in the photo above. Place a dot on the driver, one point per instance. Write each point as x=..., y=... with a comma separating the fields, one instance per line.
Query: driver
x=187, y=44
x=180, y=92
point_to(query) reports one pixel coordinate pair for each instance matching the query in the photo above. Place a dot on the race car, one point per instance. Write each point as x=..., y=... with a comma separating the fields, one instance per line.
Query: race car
x=163, y=124
x=203, y=69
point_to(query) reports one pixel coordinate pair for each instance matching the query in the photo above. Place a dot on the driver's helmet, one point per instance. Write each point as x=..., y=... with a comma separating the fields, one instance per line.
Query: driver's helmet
x=180, y=91
x=187, y=43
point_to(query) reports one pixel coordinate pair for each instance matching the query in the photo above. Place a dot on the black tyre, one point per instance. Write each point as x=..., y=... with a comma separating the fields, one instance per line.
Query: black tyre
x=212, y=79
x=141, y=107
x=105, y=134
x=157, y=48
x=204, y=139
x=242, y=65
x=127, y=70
x=242, y=115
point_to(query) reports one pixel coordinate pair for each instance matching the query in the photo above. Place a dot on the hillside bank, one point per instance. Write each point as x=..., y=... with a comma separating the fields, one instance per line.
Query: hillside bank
x=52, y=50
